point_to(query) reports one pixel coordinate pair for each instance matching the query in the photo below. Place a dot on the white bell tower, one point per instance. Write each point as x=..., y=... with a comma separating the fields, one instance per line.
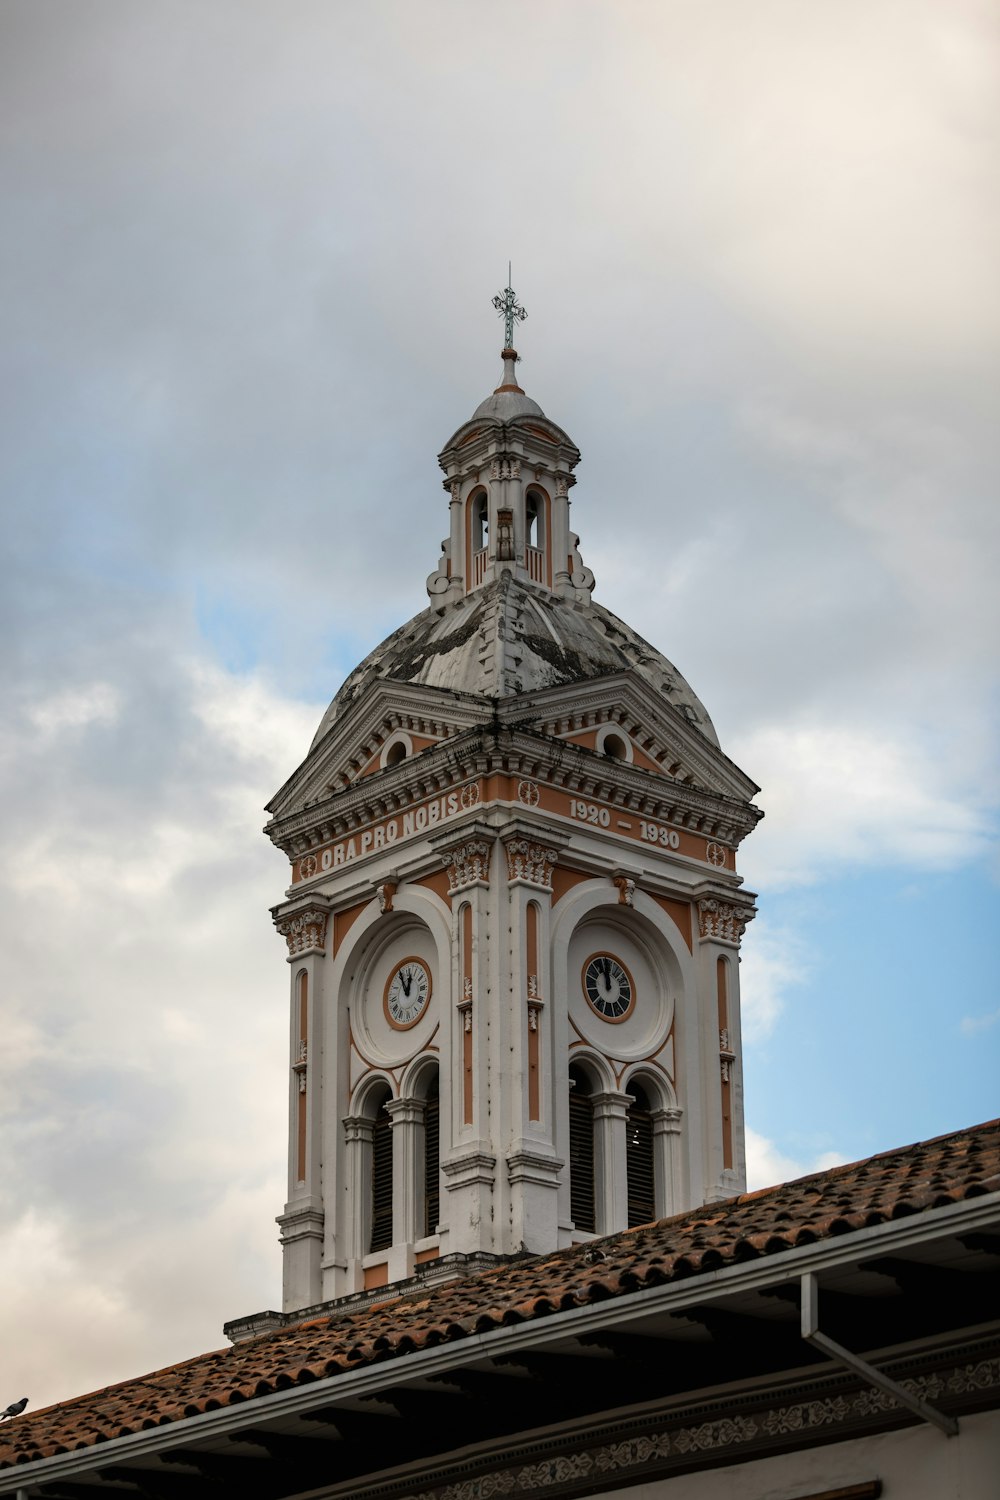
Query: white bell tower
x=514, y=916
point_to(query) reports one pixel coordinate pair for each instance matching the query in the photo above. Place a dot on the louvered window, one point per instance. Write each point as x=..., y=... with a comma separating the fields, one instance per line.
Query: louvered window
x=432, y=1190
x=581, y=1152
x=381, y=1182
x=639, y=1160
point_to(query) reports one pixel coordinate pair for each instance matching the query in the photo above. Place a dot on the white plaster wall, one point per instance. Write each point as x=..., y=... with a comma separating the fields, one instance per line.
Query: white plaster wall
x=918, y=1463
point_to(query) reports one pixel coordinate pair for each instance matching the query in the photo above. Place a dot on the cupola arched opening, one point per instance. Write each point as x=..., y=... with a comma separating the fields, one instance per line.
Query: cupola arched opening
x=536, y=536
x=477, y=534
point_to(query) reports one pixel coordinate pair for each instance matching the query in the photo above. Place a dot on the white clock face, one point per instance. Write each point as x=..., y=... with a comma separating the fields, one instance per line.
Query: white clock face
x=608, y=987
x=407, y=991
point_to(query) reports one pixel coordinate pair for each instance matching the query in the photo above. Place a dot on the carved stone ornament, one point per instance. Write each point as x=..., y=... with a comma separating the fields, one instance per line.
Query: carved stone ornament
x=385, y=893
x=726, y=1054
x=527, y=792
x=307, y=866
x=715, y=854
x=562, y=485
x=304, y=930
x=470, y=794
x=505, y=535
x=626, y=889
x=468, y=864
x=530, y=862
x=723, y=921
x=660, y=1448
x=456, y=490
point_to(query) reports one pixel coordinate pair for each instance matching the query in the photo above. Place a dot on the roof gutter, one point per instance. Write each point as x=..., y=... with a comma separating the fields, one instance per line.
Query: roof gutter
x=618, y=1312
x=811, y=1333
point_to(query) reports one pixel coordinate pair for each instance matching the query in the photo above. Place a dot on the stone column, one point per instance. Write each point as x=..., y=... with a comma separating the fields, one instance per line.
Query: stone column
x=407, y=1119
x=722, y=919
x=610, y=1170
x=524, y=1073
x=668, y=1162
x=358, y=1133
x=468, y=1155
x=302, y=922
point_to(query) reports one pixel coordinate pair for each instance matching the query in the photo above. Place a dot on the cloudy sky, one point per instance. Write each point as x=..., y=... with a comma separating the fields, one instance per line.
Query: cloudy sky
x=246, y=271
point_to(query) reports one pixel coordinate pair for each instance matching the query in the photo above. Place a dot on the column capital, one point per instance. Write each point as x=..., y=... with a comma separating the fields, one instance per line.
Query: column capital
x=611, y=1105
x=723, y=920
x=532, y=852
x=358, y=1128
x=406, y=1111
x=302, y=923
x=465, y=854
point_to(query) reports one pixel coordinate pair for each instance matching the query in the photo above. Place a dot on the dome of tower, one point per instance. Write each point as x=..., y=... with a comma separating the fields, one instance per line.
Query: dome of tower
x=509, y=638
x=508, y=401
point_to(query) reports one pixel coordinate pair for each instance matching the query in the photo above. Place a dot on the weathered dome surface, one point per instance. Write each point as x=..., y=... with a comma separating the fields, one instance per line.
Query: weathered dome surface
x=512, y=637
x=504, y=406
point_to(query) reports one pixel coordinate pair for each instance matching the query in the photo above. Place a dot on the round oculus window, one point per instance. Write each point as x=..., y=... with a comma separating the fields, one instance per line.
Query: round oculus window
x=407, y=992
x=609, y=987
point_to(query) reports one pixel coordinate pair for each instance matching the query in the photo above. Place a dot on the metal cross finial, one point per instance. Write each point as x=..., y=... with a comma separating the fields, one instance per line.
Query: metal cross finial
x=509, y=308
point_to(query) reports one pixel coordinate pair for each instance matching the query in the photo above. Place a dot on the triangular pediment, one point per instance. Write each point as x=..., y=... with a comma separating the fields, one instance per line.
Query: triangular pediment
x=417, y=718
x=663, y=739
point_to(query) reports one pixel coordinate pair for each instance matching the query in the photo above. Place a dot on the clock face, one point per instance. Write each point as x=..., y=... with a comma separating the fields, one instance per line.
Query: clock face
x=407, y=991
x=608, y=987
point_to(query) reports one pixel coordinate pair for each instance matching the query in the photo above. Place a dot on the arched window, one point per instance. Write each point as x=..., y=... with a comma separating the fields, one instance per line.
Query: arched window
x=480, y=521
x=581, y=1151
x=477, y=537
x=381, y=1233
x=532, y=514
x=432, y=1158
x=535, y=535
x=639, y=1158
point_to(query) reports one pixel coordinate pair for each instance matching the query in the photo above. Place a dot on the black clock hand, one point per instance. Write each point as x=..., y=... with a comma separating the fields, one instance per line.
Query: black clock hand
x=606, y=963
x=407, y=978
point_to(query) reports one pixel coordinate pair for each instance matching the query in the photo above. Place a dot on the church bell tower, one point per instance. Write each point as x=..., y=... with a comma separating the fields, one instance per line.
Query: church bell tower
x=514, y=916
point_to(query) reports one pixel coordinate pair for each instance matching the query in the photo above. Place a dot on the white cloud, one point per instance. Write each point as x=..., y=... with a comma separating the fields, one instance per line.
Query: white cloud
x=772, y=962
x=143, y=1014
x=768, y=1164
x=974, y=1025
x=842, y=797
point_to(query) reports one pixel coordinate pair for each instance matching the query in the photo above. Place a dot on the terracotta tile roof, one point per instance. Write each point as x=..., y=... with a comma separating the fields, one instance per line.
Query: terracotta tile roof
x=812, y=1209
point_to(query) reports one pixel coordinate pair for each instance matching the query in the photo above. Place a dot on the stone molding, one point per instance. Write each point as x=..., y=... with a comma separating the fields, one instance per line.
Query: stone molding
x=723, y=921
x=532, y=1166
x=300, y=1224
x=472, y=1166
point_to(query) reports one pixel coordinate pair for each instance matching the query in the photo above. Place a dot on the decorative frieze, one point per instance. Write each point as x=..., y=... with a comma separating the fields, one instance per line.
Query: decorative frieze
x=658, y=1448
x=304, y=929
x=529, y=863
x=468, y=864
x=723, y=921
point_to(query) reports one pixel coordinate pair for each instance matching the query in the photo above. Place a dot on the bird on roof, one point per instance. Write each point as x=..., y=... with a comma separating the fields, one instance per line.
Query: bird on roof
x=14, y=1409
